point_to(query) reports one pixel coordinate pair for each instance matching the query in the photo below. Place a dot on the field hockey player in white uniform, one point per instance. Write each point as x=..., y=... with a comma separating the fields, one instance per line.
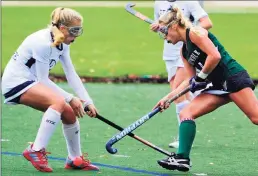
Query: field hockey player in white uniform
x=26, y=81
x=171, y=53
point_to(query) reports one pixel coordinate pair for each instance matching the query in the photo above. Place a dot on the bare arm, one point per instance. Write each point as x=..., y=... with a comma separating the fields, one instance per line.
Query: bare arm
x=205, y=44
x=189, y=71
x=205, y=22
x=200, y=15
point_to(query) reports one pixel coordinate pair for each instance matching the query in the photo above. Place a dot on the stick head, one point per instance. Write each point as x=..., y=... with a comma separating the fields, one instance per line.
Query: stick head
x=129, y=8
x=109, y=146
x=130, y=5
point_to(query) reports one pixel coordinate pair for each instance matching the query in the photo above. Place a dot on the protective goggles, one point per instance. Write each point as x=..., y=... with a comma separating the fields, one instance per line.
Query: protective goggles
x=75, y=31
x=163, y=32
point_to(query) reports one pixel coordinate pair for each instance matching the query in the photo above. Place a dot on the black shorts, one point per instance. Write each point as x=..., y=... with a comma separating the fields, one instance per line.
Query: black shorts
x=239, y=81
x=233, y=84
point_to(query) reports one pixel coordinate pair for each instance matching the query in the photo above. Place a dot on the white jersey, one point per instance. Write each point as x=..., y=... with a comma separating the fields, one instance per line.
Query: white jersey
x=170, y=51
x=33, y=60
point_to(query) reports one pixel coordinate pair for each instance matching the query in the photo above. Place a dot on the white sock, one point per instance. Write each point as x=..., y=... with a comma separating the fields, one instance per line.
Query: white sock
x=72, y=137
x=47, y=127
x=179, y=107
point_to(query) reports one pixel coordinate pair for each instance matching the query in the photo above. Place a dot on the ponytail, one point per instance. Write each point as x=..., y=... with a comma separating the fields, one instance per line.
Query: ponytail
x=62, y=16
x=58, y=35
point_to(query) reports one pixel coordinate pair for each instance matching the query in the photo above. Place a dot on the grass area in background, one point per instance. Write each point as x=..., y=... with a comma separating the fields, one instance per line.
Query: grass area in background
x=225, y=138
x=115, y=43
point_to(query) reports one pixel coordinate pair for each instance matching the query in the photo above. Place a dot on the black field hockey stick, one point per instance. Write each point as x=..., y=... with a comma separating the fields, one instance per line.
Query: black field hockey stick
x=138, y=123
x=131, y=134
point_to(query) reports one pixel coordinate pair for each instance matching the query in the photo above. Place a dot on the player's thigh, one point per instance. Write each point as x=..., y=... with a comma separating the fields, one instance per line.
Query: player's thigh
x=203, y=104
x=178, y=79
x=41, y=97
x=246, y=100
x=175, y=71
x=176, y=75
x=242, y=86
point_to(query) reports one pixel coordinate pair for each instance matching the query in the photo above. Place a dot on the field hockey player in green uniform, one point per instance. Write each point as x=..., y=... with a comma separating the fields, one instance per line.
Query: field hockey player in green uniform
x=206, y=62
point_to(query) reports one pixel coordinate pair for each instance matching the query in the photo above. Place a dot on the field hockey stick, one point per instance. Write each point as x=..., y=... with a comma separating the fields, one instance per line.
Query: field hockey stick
x=131, y=134
x=138, y=123
x=129, y=8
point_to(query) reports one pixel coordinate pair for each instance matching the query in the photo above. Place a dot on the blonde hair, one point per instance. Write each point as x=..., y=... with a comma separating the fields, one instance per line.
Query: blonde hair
x=176, y=16
x=62, y=16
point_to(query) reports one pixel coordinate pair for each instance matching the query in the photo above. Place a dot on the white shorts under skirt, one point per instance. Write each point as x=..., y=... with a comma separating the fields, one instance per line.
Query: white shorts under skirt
x=215, y=92
x=172, y=65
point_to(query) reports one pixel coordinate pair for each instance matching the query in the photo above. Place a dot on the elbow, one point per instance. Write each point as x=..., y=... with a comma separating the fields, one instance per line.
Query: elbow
x=209, y=26
x=206, y=23
x=216, y=57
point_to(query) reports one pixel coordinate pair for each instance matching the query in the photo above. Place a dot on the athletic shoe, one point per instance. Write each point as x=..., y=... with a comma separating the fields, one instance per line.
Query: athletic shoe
x=176, y=162
x=80, y=163
x=38, y=159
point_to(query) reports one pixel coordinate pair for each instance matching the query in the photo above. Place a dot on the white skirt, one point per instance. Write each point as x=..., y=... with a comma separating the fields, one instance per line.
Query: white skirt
x=13, y=96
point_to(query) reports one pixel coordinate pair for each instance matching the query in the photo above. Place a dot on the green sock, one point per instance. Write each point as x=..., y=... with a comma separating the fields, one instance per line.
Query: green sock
x=187, y=130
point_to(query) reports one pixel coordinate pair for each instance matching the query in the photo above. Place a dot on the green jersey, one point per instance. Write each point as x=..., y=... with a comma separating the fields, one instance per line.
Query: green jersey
x=196, y=57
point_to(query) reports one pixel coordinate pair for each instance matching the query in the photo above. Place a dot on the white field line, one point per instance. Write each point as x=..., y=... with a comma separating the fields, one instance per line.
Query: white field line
x=5, y=140
x=121, y=156
x=210, y=6
x=76, y=3
x=229, y=4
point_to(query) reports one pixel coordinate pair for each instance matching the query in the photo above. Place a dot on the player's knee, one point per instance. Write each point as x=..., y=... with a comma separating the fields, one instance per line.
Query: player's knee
x=59, y=104
x=253, y=116
x=185, y=113
x=68, y=116
x=254, y=120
